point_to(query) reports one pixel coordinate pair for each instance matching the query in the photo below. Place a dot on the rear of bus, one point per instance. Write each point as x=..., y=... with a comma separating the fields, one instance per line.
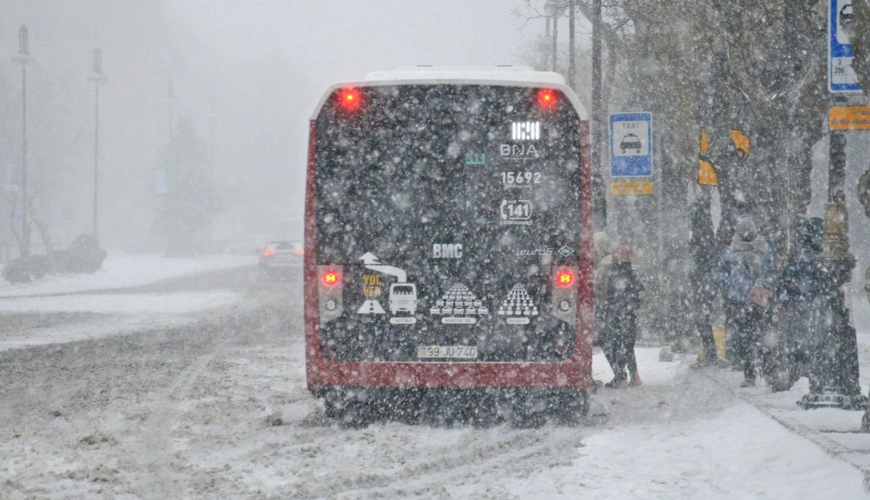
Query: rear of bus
x=448, y=238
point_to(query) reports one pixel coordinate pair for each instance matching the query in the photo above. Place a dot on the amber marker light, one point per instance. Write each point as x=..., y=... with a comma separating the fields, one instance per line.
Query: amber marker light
x=331, y=278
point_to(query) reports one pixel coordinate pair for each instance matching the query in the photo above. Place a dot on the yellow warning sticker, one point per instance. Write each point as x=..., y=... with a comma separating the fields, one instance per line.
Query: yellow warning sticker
x=629, y=188
x=850, y=118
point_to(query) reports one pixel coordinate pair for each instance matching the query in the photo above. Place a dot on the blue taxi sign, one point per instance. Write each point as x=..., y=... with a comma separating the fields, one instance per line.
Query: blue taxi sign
x=841, y=76
x=631, y=145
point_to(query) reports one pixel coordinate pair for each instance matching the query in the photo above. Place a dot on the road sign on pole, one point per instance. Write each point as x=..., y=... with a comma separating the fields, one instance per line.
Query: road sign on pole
x=631, y=145
x=841, y=76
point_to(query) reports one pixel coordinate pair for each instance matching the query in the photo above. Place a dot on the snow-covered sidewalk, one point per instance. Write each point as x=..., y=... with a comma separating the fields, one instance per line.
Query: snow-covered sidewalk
x=681, y=436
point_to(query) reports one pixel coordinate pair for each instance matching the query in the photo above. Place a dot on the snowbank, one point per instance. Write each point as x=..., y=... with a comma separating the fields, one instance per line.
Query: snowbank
x=122, y=270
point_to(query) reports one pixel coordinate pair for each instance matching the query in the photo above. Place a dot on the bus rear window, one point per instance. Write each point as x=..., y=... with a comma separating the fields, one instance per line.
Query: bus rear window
x=418, y=165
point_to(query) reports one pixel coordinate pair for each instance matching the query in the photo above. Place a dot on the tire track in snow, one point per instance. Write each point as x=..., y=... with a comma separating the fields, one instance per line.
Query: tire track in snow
x=512, y=452
x=160, y=479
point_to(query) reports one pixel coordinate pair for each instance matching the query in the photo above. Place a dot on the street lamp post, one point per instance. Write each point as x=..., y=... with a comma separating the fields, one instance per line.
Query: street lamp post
x=24, y=58
x=571, y=64
x=97, y=77
x=836, y=365
x=169, y=97
x=552, y=9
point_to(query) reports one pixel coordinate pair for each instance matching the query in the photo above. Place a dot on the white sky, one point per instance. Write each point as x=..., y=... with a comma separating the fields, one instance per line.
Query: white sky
x=270, y=61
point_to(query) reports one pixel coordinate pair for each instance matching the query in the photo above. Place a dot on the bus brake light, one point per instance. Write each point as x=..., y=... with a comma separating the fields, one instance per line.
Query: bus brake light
x=547, y=98
x=564, y=278
x=350, y=99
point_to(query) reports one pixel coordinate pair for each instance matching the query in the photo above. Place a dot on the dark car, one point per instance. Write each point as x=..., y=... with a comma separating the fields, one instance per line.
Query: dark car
x=278, y=257
x=630, y=141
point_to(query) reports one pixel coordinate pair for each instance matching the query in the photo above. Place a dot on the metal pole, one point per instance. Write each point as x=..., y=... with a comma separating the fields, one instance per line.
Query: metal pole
x=598, y=188
x=169, y=95
x=555, y=37
x=25, y=236
x=98, y=78
x=835, y=371
x=96, y=151
x=571, y=67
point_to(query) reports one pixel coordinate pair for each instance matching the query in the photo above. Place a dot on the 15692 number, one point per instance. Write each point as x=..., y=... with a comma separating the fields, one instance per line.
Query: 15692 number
x=520, y=178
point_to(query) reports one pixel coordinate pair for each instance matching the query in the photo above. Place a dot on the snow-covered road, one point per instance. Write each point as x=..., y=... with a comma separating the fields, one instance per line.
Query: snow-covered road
x=182, y=411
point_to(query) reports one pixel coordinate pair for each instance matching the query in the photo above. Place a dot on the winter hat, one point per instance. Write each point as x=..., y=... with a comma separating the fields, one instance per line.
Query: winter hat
x=746, y=229
x=623, y=253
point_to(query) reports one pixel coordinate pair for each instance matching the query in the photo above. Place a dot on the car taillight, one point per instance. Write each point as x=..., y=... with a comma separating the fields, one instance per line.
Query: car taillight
x=300, y=252
x=268, y=253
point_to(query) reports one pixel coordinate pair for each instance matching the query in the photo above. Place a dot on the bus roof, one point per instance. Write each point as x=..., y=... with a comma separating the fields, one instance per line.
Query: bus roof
x=459, y=73
x=521, y=76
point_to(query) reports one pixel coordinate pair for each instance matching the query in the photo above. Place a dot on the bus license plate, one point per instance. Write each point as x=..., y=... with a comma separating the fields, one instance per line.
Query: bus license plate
x=446, y=352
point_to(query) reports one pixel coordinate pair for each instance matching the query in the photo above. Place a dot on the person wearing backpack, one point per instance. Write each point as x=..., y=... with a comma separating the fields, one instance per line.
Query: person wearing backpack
x=744, y=274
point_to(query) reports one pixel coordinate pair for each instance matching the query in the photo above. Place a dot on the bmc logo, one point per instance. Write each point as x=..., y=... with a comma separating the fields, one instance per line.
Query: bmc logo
x=447, y=251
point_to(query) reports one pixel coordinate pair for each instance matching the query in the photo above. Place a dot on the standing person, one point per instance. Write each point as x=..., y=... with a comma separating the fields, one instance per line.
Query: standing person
x=744, y=273
x=798, y=290
x=725, y=233
x=603, y=263
x=622, y=292
x=704, y=259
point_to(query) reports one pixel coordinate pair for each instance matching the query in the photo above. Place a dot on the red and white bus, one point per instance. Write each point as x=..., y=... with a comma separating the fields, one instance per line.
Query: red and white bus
x=448, y=232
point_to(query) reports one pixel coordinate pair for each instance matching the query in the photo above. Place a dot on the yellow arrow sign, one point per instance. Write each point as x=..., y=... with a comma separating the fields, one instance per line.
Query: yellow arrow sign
x=741, y=143
x=706, y=173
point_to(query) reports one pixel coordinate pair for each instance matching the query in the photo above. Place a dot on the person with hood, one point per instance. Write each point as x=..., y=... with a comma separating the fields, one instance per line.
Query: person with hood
x=738, y=210
x=744, y=274
x=603, y=263
x=622, y=291
x=799, y=289
x=704, y=259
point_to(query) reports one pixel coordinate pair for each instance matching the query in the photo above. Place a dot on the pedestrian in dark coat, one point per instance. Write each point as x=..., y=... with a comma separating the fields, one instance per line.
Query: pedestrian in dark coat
x=622, y=292
x=701, y=279
x=603, y=262
x=744, y=274
x=799, y=290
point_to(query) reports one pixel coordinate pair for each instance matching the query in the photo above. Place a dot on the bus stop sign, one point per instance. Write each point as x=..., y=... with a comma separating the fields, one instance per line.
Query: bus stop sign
x=841, y=76
x=631, y=145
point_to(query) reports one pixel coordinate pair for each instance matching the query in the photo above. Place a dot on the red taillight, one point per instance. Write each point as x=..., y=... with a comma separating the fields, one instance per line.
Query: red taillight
x=350, y=99
x=547, y=98
x=331, y=278
x=300, y=252
x=268, y=253
x=564, y=278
